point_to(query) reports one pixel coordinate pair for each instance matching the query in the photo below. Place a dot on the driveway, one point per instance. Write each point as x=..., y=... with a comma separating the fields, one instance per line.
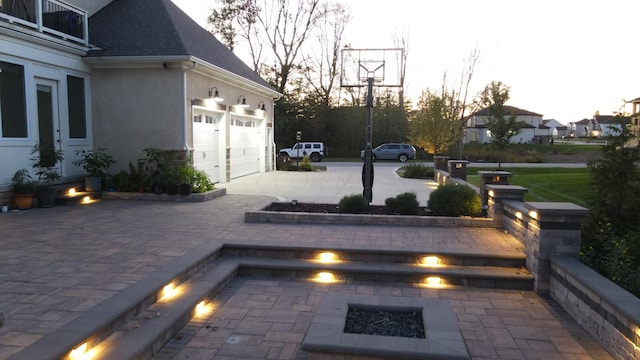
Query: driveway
x=339, y=180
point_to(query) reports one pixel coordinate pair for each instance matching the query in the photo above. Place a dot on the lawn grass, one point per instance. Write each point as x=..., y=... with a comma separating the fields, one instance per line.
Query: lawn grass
x=547, y=184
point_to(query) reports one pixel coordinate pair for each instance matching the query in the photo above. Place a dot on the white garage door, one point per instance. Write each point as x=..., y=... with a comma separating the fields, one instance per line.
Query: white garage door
x=245, y=146
x=206, y=149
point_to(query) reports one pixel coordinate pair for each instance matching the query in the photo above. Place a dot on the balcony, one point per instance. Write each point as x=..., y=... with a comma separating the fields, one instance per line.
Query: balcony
x=48, y=16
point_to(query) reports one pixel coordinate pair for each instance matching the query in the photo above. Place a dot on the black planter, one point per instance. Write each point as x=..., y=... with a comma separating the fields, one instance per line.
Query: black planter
x=171, y=189
x=93, y=184
x=46, y=197
x=185, y=189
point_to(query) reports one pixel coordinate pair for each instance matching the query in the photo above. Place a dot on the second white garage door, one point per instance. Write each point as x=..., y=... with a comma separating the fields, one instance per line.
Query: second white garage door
x=245, y=142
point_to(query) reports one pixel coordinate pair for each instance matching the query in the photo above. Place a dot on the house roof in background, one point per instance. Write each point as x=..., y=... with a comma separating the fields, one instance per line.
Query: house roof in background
x=517, y=111
x=158, y=28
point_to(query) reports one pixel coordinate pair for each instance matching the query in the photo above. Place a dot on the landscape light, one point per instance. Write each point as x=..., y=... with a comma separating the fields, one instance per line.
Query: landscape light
x=431, y=260
x=169, y=291
x=327, y=257
x=202, y=309
x=325, y=277
x=79, y=352
x=434, y=282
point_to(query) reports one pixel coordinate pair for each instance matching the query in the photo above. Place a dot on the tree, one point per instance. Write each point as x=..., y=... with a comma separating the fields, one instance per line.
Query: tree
x=323, y=62
x=439, y=120
x=502, y=123
x=286, y=26
x=611, y=232
x=435, y=123
x=235, y=18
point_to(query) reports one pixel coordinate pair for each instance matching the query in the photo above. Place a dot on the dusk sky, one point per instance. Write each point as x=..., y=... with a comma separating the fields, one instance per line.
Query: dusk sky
x=564, y=60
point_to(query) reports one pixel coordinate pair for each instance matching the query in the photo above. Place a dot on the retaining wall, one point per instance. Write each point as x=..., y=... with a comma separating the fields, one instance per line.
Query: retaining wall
x=550, y=234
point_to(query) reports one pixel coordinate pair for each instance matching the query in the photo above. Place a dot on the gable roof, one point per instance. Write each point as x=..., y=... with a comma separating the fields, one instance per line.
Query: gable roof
x=515, y=110
x=158, y=28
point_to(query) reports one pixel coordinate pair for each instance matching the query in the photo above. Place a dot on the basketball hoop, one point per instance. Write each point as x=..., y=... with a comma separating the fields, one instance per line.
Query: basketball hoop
x=364, y=67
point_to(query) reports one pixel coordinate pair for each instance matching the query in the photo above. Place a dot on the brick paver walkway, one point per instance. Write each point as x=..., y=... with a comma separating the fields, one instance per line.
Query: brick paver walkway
x=58, y=263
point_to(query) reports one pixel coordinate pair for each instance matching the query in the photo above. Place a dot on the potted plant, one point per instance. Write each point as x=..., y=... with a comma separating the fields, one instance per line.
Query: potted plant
x=23, y=188
x=95, y=163
x=187, y=173
x=45, y=159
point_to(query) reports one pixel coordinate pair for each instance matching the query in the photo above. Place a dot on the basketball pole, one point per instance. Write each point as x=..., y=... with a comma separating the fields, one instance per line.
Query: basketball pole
x=367, y=170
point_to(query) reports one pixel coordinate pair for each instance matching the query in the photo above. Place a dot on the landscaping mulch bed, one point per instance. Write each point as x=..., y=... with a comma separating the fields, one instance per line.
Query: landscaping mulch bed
x=333, y=209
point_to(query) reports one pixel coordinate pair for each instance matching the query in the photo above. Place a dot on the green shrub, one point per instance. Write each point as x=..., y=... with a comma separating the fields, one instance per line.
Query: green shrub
x=404, y=204
x=353, y=204
x=454, y=200
x=417, y=171
x=286, y=164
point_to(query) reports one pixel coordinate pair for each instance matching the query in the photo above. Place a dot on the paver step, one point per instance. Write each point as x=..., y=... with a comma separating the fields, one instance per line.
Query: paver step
x=136, y=323
x=450, y=258
x=476, y=276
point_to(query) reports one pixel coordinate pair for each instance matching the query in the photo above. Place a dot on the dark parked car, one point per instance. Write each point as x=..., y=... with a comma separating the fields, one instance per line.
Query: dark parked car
x=392, y=151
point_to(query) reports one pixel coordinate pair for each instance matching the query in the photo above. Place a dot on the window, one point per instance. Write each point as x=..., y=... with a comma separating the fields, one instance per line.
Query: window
x=13, y=110
x=77, y=110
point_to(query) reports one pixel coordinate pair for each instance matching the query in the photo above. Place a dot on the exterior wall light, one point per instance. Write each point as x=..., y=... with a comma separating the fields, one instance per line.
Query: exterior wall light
x=215, y=95
x=242, y=102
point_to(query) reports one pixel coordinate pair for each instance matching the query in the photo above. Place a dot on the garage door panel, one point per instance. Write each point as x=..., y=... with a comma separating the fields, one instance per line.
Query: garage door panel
x=245, y=147
x=206, y=143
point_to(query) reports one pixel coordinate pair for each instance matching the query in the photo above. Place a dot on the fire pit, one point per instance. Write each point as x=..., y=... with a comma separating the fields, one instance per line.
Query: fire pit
x=441, y=336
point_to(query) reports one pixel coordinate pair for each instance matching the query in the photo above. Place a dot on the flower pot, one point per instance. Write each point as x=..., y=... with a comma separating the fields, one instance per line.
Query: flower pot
x=47, y=197
x=171, y=189
x=23, y=201
x=93, y=184
x=185, y=189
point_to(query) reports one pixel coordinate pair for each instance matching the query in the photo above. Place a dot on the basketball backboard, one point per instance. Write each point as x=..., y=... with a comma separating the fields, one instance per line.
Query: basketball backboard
x=383, y=65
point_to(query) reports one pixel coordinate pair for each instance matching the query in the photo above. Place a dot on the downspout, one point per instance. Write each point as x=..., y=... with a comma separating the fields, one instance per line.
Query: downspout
x=185, y=112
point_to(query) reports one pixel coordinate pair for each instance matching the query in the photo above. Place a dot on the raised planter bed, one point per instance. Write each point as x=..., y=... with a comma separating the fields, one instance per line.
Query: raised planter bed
x=209, y=195
x=268, y=215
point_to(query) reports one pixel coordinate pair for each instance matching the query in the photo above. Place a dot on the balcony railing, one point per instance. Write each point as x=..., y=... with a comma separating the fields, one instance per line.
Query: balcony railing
x=48, y=16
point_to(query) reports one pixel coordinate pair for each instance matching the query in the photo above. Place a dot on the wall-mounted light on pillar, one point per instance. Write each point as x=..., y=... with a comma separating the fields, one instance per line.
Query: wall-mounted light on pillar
x=261, y=106
x=214, y=95
x=242, y=102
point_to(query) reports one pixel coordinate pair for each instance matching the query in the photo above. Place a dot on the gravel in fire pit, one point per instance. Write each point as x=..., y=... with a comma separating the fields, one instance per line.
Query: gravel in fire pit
x=371, y=321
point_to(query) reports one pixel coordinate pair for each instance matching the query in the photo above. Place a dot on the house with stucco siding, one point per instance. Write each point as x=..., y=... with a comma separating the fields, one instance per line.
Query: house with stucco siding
x=534, y=131
x=127, y=75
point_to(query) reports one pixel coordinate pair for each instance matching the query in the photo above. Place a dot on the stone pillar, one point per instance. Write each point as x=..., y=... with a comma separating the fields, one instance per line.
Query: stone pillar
x=554, y=229
x=458, y=169
x=498, y=194
x=440, y=162
x=492, y=177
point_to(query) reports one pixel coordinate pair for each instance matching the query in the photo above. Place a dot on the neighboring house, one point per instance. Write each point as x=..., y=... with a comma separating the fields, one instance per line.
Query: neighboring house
x=598, y=126
x=533, y=132
x=557, y=130
x=634, y=121
x=127, y=75
x=584, y=128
